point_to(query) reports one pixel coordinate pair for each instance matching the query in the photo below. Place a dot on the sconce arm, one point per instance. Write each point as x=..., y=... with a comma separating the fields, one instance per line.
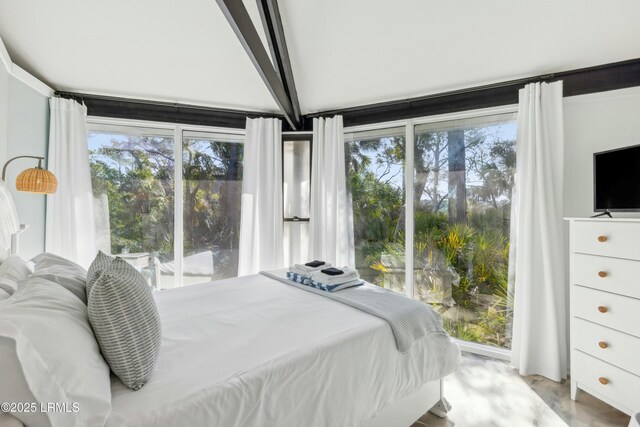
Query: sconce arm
x=4, y=169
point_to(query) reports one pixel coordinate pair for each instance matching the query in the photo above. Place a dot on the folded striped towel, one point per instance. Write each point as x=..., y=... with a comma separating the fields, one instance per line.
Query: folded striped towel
x=333, y=287
x=304, y=280
x=298, y=278
x=349, y=275
x=305, y=269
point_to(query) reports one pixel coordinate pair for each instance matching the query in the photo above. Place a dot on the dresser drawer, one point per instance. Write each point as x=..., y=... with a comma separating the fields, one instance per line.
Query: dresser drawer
x=615, y=239
x=614, y=347
x=621, y=386
x=611, y=310
x=620, y=276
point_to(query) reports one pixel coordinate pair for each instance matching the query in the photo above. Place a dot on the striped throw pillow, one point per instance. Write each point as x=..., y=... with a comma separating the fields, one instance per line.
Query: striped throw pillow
x=99, y=264
x=125, y=321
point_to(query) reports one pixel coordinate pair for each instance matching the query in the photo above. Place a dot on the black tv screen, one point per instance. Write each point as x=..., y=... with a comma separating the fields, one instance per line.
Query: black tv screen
x=616, y=176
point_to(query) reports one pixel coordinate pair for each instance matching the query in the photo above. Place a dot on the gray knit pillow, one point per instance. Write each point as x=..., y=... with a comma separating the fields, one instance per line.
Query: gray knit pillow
x=125, y=321
x=99, y=264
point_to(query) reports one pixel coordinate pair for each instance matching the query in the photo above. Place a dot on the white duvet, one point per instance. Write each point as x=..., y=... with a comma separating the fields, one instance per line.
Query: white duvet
x=252, y=351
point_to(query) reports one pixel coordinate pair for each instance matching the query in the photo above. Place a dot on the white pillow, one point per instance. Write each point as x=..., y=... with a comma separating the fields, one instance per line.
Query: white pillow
x=62, y=271
x=49, y=354
x=8, y=285
x=8, y=420
x=12, y=270
x=4, y=253
x=3, y=296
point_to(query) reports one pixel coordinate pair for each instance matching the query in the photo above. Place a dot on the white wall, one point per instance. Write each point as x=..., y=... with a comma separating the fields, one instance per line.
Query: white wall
x=27, y=134
x=4, y=105
x=24, y=130
x=593, y=123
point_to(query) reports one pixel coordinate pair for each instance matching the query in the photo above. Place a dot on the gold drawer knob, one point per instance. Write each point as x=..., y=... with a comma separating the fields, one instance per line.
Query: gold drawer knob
x=602, y=238
x=602, y=273
x=603, y=380
x=603, y=344
x=602, y=309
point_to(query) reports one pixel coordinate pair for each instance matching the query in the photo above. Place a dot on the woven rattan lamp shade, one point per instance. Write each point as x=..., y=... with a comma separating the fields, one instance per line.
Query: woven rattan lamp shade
x=37, y=180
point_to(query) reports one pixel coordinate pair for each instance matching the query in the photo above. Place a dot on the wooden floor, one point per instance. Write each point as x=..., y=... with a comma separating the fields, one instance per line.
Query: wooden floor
x=487, y=393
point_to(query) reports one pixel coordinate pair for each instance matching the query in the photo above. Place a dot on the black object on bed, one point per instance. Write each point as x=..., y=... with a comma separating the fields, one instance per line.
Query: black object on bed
x=315, y=263
x=332, y=271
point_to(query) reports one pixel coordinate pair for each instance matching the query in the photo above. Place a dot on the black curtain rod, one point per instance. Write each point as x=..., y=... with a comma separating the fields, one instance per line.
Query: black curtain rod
x=168, y=112
x=94, y=98
x=466, y=91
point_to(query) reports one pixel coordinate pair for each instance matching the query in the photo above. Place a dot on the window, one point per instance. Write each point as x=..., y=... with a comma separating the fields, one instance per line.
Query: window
x=463, y=178
x=178, y=227
x=132, y=175
x=296, y=184
x=455, y=256
x=212, y=191
x=375, y=179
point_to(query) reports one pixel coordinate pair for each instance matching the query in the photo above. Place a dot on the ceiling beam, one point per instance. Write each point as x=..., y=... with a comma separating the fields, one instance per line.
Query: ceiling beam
x=240, y=21
x=272, y=22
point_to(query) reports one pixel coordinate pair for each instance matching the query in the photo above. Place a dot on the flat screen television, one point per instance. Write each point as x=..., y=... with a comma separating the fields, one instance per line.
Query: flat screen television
x=616, y=179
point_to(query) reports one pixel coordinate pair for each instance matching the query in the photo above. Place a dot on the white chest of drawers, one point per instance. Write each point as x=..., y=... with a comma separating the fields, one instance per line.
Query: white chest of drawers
x=605, y=310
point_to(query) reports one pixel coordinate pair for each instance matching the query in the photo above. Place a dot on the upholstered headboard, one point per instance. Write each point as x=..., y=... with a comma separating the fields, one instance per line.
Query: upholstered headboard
x=9, y=223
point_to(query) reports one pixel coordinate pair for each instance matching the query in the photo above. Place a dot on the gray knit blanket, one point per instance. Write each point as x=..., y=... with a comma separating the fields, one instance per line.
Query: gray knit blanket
x=410, y=320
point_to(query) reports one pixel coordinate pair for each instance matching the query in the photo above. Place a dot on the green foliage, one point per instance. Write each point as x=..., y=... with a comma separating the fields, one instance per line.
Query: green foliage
x=457, y=245
x=376, y=208
x=465, y=331
x=427, y=223
x=377, y=202
x=481, y=258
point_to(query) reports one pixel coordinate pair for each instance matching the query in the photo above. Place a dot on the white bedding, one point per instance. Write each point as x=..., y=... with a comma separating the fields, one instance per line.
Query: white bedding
x=252, y=351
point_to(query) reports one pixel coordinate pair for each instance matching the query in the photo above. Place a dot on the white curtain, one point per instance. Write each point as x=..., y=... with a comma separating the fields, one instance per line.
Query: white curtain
x=261, y=238
x=537, y=269
x=70, y=229
x=331, y=219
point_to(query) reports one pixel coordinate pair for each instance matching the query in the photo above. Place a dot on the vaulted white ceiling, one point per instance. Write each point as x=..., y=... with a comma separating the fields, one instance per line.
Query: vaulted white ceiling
x=347, y=52
x=343, y=52
x=169, y=50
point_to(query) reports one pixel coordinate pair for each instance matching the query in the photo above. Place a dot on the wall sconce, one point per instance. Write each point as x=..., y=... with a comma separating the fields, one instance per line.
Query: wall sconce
x=33, y=180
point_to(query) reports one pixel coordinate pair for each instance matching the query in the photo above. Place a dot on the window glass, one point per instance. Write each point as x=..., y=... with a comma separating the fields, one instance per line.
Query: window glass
x=296, y=185
x=212, y=190
x=296, y=177
x=296, y=242
x=133, y=185
x=463, y=179
x=375, y=179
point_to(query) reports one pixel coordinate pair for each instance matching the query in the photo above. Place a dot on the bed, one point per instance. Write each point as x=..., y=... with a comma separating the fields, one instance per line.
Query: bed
x=254, y=351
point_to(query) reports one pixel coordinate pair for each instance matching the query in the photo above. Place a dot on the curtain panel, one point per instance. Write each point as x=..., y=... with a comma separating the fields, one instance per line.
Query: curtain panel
x=261, y=229
x=537, y=251
x=69, y=224
x=331, y=220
